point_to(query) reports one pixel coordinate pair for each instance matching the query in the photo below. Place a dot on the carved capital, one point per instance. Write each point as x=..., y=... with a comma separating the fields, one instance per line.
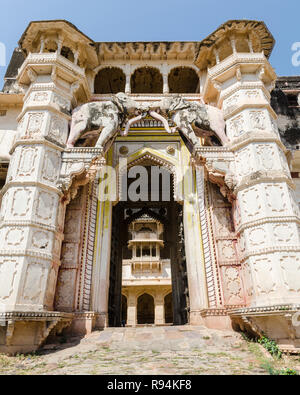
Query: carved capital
x=32, y=75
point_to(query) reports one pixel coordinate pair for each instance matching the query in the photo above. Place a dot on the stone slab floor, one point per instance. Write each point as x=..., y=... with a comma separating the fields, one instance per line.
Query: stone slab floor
x=147, y=350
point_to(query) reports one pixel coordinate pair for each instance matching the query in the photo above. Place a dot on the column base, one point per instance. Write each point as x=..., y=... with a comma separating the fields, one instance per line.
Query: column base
x=280, y=323
x=83, y=323
x=24, y=332
x=217, y=319
x=101, y=321
x=196, y=318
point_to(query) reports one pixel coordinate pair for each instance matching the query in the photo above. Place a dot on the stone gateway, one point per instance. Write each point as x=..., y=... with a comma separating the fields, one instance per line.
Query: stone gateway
x=148, y=184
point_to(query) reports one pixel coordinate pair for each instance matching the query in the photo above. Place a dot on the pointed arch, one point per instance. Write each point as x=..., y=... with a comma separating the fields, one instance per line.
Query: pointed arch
x=149, y=156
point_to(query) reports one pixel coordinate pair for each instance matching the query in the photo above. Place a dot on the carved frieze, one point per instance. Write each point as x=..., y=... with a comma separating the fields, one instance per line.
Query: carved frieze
x=232, y=286
x=264, y=275
x=14, y=236
x=257, y=237
x=34, y=126
x=8, y=273
x=257, y=120
x=284, y=233
x=58, y=130
x=290, y=266
x=21, y=202
x=266, y=156
x=251, y=202
x=45, y=206
x=275, y=198
x=51, y=166
x=28, y=161
x=244, y=161
x=34, y=283
x=41, y=240
x=236, y=126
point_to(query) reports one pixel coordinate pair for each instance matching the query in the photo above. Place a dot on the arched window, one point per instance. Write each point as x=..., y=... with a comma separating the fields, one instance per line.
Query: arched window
x=50, y=46
x=145, y=309
x=67, y=53
x=146, y=80
x=183, y=80
x=109, y=80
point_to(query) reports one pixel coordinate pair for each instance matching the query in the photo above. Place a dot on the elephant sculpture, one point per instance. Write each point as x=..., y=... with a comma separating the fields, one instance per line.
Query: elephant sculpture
x=190, y=118
x=107, y=117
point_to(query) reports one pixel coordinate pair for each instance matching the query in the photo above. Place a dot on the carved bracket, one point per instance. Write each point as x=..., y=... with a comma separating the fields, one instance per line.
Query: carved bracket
x=79, y=166
x=217, y=172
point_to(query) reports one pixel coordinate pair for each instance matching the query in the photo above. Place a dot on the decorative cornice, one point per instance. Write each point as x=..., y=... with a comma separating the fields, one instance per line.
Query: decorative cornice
x=265, y=220
x=48, y=187
x=50, y=107
x=34, y=315
x=31, y=223
x=242, y=85
x=219, y=311
x=31, y=253
x=50, y=58
x=259, y=177
x=39, y=141
x=255, y=137
x=265, y=310
x=238, y=59
x=269, y=250
x=234, y=110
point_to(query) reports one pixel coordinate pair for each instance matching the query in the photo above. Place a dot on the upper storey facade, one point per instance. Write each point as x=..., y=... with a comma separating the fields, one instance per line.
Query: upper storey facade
x=137, y=67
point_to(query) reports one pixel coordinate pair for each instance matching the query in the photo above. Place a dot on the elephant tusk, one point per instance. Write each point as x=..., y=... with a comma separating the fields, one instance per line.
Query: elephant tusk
x=130, y=122
x=160, y=118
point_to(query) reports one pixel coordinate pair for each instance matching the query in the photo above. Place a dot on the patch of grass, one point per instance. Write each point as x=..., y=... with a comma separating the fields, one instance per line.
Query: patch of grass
x=155, y=352
x=274, y=364
x=288, y=372
x=5, y=361
x=271, y=346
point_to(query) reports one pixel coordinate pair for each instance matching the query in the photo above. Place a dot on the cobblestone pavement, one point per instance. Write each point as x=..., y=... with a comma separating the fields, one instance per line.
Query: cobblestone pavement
x=146, y=350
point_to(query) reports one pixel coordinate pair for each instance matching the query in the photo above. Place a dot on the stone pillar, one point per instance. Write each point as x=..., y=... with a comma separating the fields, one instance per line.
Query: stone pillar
x=131, y=310
x=33, y=206
x=32, y=214
x=159, y=312
x=193, y=246
x=101, y=270
x=165, y=73
x=30, y=217
x=128, y=77
x=266, y=212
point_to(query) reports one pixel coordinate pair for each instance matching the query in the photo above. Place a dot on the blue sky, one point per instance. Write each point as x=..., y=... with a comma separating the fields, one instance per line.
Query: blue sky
x=156, y=20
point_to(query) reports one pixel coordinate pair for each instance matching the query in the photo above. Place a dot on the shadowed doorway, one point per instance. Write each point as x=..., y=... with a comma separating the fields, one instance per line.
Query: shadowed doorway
x=170, y=214
x=145, y=309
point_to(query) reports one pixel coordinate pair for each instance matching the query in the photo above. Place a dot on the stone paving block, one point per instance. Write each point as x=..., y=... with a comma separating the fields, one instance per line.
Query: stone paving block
x=174, y=335
x=104, y=337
